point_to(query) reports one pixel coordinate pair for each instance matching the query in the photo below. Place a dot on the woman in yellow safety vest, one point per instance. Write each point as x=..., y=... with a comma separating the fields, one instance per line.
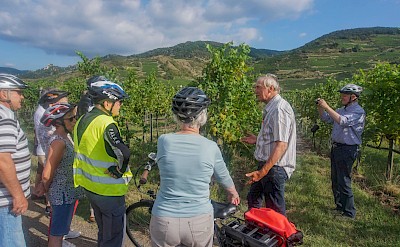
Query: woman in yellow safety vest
x=101, y=160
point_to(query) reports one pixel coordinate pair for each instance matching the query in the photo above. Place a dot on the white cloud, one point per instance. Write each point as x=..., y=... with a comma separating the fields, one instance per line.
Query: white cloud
x=100, y=27
x=302, y=35
x=9, y=65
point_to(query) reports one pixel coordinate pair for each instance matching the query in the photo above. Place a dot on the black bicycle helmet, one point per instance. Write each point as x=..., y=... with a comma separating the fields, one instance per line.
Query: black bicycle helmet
x=106, y=90
x=351, y=89
x=51, y=97
x=94, y=79
x=188, y=103
x=55, y=112
x=8, y=81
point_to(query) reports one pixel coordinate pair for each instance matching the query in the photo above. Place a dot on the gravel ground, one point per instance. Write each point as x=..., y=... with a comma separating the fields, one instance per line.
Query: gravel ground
x=35, y=224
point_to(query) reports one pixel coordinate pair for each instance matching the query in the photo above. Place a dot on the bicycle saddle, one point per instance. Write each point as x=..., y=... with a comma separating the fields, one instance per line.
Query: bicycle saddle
x=222, y=210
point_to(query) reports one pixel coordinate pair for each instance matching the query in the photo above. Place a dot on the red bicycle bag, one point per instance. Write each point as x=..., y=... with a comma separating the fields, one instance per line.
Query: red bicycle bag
x=276, y=222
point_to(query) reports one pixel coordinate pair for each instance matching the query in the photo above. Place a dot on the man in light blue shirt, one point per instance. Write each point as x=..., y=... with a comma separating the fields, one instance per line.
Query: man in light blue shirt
x=348, y=125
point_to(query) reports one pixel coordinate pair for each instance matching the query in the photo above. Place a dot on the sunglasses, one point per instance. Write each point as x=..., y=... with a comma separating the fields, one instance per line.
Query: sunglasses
x=71, y=118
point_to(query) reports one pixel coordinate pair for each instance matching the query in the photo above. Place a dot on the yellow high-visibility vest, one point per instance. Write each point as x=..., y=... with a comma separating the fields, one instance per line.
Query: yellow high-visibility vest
x=91, y=161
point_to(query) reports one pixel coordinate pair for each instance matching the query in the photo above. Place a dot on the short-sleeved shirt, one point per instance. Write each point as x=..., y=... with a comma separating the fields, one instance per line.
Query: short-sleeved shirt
x=13, y=140
x=43, y=133
x=351, y=125
x=278, y=124
x=62, y=190
x=186, y=163
x=37, y=124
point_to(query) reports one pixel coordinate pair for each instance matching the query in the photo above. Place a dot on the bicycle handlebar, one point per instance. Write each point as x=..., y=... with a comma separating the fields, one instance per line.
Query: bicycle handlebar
x=147, y=168
x=143, y=178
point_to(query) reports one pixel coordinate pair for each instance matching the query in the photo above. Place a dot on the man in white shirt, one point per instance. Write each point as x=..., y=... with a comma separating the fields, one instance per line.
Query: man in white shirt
x=275, y=148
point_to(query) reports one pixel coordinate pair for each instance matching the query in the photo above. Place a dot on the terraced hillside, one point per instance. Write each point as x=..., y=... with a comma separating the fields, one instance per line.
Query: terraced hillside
x=338, y=54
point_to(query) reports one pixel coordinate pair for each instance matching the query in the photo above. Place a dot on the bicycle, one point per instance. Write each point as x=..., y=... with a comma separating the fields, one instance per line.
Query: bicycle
x=229, y=230
x=138, y=214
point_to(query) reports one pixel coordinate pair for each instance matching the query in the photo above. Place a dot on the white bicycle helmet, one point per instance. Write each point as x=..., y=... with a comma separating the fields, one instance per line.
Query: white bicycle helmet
x=8, y=81
x=351, y=89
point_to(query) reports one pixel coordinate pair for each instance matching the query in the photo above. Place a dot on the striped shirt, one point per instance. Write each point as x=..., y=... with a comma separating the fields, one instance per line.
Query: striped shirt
x=13, y=140
x=278, y=125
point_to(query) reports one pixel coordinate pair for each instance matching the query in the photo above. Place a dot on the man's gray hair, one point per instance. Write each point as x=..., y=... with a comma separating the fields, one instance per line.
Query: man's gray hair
x=198, y=122
x=270, y=80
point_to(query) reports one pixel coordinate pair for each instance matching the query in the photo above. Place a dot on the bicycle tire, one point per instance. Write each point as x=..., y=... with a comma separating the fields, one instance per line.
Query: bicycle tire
x=138, y=223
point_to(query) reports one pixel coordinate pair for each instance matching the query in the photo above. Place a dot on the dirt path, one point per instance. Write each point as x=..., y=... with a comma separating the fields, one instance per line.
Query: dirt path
x=35, y=224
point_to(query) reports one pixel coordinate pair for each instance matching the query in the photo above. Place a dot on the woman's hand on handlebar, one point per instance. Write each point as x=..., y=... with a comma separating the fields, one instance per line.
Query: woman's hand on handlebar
x=233, y=195
x=235, y=200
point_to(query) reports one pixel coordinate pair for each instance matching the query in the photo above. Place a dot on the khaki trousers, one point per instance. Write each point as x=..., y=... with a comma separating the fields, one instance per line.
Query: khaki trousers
x=197, y=231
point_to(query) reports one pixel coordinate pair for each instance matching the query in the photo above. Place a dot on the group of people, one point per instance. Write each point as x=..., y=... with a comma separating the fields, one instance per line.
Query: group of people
x=87, y=155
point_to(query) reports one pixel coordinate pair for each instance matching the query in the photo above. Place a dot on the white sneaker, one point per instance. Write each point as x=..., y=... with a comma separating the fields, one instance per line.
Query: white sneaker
x=72, y=234
x=65, y=243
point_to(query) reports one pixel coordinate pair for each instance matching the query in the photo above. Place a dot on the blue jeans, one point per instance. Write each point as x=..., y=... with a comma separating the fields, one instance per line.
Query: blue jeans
x=342, y=159
x=272, y=188
x=11, y=234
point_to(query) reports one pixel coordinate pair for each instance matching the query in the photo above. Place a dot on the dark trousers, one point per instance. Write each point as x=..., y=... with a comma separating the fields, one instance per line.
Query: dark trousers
x=272, y=188
x=109, y=212
x=342, y=159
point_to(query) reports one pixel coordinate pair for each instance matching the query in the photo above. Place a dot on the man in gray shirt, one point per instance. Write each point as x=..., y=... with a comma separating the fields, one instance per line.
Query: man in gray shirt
x=275, y=147
x=348, y=125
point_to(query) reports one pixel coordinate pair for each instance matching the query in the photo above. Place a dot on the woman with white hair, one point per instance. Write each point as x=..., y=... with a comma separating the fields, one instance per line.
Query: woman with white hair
x=182, y=213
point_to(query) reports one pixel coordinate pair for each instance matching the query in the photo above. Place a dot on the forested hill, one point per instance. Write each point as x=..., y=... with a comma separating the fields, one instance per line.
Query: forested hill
x=197, y=49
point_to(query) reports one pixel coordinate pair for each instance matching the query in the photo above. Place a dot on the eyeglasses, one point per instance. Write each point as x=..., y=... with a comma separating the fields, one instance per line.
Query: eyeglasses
x=71, y=118
x=19, y=92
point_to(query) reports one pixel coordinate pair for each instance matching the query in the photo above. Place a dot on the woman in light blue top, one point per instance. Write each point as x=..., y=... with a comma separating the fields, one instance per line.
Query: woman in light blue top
x=182, y=213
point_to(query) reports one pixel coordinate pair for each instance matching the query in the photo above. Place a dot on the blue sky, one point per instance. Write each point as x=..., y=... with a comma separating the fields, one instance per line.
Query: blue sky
x=35, y=33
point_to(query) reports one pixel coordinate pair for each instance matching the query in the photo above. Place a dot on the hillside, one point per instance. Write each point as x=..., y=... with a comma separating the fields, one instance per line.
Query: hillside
x=338, y=54
x=12, y=70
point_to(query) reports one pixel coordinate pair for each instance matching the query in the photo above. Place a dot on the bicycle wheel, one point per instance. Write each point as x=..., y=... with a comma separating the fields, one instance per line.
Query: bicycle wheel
x=138, y=223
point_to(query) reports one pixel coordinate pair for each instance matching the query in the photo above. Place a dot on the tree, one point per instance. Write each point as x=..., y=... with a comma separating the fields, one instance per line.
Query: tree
x=381, y=101
x=226, y=80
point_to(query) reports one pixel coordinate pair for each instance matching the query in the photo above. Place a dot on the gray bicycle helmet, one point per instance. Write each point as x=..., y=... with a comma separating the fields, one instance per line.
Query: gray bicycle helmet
x=51, y=97
x=351, y=89
x=8, y=81
x=55, y=112
x=188, y=103
x=106, y=90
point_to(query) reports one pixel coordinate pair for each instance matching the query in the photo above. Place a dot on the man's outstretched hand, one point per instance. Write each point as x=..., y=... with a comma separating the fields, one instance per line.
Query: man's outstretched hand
x=250, y=139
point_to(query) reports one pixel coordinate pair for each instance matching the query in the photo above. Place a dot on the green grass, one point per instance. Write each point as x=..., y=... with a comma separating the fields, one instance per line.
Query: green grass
x=309, y=203
x=149, y=67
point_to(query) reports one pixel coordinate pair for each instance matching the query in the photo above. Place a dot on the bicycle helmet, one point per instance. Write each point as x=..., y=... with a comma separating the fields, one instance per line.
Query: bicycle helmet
x=351, y=89
x=106, y=90
x=52, y=96
x=8, y=81
x=55, y=112
x=94, y=79
x=188, y=103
